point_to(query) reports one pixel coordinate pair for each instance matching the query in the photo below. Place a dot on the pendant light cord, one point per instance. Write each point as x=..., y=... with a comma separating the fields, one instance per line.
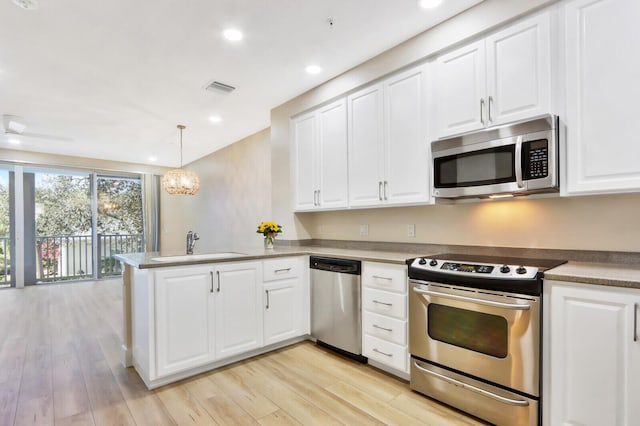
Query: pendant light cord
x=181, y=127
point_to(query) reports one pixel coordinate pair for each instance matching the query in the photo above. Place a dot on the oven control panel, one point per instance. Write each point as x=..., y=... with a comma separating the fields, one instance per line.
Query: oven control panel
x=485, y=270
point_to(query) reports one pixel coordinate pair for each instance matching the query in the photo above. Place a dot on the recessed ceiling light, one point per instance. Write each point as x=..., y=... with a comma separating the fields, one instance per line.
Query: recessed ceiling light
x=429, y=4
x=14, y=141
x=26, y=4
x=215, y=119
x=313, y=69
x=232, y=34
x=153, y=159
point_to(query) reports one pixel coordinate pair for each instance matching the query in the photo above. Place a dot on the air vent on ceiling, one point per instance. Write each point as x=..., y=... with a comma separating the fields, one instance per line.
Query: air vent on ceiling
x=216, y=86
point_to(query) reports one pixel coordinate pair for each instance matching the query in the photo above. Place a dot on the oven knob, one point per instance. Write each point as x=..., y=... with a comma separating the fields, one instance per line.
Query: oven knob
x=422, y=261
x=505, y=269
x=433, y=262
x=521, y=270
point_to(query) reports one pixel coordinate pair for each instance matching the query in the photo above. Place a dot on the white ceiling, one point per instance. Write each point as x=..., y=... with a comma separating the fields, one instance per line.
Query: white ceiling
x=112, y=79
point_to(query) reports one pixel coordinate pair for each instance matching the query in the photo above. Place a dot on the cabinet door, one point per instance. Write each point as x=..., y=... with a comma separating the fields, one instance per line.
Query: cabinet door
x=602, y=95
x=406, y=148
x=594, y=355
x=366, y=146
x=184, y=319
x=519, y=71
x=282, y=310
x=238, y=308
x=332, y=155
x=460, y=90
x=304, y=134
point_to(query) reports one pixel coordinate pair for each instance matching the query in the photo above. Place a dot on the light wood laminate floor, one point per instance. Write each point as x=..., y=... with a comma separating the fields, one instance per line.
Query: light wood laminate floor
x=60, y=364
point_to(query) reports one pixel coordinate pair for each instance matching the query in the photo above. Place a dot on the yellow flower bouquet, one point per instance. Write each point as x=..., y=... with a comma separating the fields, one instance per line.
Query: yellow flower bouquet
x=269, y=230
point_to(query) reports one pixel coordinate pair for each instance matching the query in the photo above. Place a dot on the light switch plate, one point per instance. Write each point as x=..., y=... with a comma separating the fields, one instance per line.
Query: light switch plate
x=364, y=230
x=411, y=231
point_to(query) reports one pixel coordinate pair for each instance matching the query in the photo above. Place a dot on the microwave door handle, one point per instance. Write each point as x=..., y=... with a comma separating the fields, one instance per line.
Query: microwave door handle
x=518, y=165
x=515, y=306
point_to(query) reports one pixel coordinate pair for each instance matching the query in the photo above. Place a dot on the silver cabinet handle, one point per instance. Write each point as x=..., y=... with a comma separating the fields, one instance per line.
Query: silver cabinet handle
x=482, y=111
x=277, y=271
x=386, y=186
x=519, y=402
x=218, y=276
x=380, y=190
x=382, y=353
x=381, y=277
x=267, y=291
x=211, y=275
x=635, y=322
x=491, y=303
x=315, y=197
x=382, y=328
x=489, y=108
x=382, y=303
x=519, y=181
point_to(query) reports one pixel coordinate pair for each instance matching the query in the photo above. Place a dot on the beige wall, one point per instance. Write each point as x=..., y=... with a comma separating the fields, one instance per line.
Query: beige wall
x=587, y=223
x=582, y=223
x=234, y=197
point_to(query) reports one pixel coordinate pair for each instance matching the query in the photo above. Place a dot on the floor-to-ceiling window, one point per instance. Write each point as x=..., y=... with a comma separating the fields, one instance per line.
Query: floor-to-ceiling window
x=70, y=224
x=5, y=248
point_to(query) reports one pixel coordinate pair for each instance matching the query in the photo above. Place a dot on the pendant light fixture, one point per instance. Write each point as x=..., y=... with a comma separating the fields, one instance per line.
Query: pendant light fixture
x=180, y=181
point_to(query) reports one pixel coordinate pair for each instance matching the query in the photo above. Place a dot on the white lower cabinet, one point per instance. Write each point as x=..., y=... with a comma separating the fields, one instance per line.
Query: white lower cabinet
x=592, y=355
x=384, y=316
x=238, y=308
x=185, y=336
x=190, y=319
x=284, y=303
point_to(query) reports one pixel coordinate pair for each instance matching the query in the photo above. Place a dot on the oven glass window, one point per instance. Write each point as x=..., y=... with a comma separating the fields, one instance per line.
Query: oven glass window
x=484, y=167
x=471, y=330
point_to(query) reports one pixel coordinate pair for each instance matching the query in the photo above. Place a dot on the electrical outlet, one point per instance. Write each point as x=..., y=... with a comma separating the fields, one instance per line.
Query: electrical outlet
x=364, y=230
x=411, y=231
x=319, y=230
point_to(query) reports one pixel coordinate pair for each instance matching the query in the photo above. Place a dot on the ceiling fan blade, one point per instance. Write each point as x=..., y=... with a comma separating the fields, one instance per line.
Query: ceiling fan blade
x=39, y=136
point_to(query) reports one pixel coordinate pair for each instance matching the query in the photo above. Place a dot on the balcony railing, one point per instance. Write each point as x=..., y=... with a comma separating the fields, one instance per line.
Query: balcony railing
x=70, y=257
x=5, y=270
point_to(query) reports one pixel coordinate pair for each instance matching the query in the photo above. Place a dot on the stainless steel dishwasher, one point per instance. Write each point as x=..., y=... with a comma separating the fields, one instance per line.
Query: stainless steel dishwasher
x=336, y=319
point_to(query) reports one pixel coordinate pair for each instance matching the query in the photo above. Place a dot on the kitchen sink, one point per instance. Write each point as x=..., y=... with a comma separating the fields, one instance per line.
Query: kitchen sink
x=189, y=257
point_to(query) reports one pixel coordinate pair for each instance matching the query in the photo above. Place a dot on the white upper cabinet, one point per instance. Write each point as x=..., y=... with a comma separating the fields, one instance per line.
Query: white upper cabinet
x=321, y=157
x=602, y=92
x=388, y=147
x=503, y=78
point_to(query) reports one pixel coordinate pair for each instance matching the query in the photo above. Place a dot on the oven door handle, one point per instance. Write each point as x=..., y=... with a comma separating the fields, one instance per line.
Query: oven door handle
x=518, y=402
x=474, y=300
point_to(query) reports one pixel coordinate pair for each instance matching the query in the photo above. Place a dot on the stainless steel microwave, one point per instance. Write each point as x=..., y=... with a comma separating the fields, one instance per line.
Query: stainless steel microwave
x=517, y=159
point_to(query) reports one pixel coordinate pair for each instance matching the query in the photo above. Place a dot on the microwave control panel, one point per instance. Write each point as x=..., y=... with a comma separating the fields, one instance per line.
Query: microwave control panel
x=535, y=159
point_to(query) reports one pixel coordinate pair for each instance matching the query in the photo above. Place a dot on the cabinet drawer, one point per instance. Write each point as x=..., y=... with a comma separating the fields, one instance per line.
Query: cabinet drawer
x=387, y=328
x=386, y=352
x=385, y=276
x=281, y=269
x=385, y=303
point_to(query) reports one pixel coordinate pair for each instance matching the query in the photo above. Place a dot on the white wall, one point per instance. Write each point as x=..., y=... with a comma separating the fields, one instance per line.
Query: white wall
x=234, y=197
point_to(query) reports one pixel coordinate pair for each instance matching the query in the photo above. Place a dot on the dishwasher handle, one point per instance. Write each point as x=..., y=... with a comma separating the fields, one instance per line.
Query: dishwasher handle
x=341, y=266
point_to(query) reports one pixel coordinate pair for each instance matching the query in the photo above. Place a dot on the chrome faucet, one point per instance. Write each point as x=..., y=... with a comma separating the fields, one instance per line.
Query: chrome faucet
x=192, y=237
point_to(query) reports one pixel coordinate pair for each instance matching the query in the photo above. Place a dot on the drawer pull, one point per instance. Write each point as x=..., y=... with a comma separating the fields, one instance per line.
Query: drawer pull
x=382, y=353
x=277, y=271
x=382, y=303
x=382, y=278
x=382, y=328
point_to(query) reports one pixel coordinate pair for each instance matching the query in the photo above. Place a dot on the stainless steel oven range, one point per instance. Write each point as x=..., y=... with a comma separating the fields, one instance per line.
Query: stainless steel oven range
x=474, y=334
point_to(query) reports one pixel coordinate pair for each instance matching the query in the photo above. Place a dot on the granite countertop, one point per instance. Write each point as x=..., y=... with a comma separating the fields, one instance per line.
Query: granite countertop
x=607, y=274
x=146, y=260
